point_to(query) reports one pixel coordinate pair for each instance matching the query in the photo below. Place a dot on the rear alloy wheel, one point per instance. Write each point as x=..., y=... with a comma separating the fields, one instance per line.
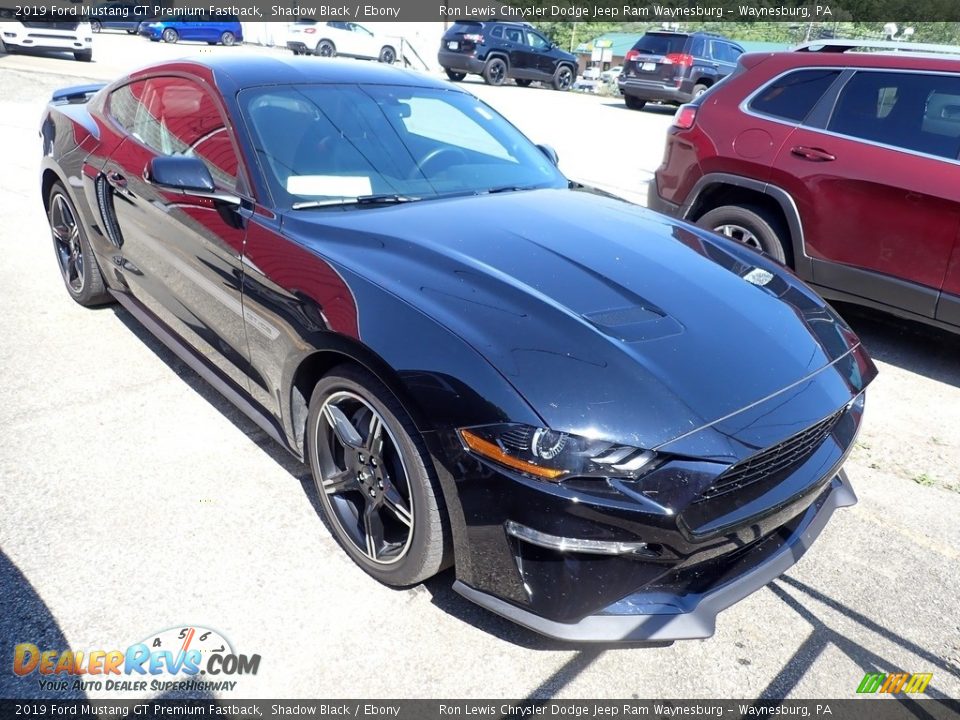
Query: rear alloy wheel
x=83, y=55
x=454, y=75
x=375, y=479
x=495, y=71
x=325, y=48
x=523, y=83
x=170, y=35
x=96, y=26
x=751, y=225
x=634, y=103
x=78, y=267
x=699, y=89
x=388, y=55
x=228, y=38
x=563, y=78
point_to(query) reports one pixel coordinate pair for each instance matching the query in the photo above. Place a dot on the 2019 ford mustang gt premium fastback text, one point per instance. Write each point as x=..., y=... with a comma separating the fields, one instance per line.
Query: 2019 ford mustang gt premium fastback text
x=613, y=424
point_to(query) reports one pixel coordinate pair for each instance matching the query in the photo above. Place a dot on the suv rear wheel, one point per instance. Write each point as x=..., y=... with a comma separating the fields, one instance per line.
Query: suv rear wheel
x=495, y=71
x=751, y=225
x=634, y=103
x=699, y=89
x=455, y=76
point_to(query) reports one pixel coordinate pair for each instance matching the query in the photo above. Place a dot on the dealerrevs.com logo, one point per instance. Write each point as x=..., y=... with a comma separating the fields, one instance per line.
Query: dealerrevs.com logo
x=894, y=683
x=182, y=658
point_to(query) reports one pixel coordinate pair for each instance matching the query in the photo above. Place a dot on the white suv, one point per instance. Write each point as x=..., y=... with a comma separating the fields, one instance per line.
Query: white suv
x=75, y=37
x=348, y=39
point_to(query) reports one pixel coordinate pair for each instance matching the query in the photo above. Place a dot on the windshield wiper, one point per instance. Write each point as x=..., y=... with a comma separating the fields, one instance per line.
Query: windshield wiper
x=507, y=188
x=384, y=199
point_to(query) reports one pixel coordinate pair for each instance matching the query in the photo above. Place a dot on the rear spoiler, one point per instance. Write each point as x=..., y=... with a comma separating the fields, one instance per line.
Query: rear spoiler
x=76, y=94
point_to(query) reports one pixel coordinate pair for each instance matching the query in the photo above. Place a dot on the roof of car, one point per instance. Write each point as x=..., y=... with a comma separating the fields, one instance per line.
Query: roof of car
x=249, y=69
x=884, y=59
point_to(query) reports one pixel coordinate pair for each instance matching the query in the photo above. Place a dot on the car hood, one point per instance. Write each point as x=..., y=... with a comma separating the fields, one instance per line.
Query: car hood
x=608, y=319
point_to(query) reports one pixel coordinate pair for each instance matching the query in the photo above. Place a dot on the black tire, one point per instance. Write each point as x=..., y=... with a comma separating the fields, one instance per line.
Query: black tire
x=699, y=89
x=752, y=225
x=387, y=55
x=96, y=26
x=169, y=35
x=563, y=78
x=427, y=542
x=325, y=48
x=454, y=75
x=523, y=83
x=85, y=285
x=83, y=55
x=227, y=38
x=495, y=71
x=131, y=32
x=634, y=103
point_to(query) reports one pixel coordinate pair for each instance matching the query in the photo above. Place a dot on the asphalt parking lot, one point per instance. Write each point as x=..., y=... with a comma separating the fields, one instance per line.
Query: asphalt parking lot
x=136, y=499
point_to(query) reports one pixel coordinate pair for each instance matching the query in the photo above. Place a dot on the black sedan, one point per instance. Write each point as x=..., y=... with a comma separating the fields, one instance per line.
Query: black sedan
x=613, y=424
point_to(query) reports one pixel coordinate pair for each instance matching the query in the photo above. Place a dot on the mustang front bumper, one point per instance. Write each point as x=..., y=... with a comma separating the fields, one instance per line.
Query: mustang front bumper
x=653, y=616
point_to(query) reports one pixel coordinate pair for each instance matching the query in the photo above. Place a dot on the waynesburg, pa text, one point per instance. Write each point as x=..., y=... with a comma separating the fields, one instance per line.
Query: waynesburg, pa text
x=660, y=12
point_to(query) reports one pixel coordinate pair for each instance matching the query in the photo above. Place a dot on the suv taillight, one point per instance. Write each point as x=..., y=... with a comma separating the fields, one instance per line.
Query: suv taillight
x=685, y=117
x=474, y=38
x=631, y=55
x=682, y=59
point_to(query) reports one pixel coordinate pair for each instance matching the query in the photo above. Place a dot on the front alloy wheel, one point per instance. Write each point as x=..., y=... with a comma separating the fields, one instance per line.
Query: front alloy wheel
x=373, y=476
x=170, y=35
x=563, y=79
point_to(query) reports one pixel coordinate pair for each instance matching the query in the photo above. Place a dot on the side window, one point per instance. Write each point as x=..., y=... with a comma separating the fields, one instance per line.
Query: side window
x=792, y=96
x=699, y=47
x=537, y=42
x=123, y=103
x=724, y=52
x=338, y=25
x=175, y=116
x=497, y=32
x=908, y=110
x=514, y=35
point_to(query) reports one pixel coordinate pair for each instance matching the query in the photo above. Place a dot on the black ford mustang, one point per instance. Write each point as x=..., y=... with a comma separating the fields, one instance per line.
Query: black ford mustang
x=615, y=425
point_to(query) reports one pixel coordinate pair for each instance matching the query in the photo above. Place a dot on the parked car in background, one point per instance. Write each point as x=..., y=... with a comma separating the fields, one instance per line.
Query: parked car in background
x=611, y=74
x=498, y=51
x=675, y=67
x=60, y=35
x=119, y=16
x=591, y=73
x=347, y=39
x=227, y=31
x=843, y=165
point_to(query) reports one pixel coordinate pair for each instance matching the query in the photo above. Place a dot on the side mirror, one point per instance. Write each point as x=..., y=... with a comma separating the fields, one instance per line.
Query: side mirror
x=187, y=176
x=550, y=153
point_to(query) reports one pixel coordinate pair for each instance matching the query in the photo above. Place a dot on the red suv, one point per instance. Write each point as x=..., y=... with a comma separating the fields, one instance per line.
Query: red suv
x=841, y=164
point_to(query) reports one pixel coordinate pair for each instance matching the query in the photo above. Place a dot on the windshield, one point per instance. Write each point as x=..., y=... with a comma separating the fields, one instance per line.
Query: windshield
x=324, y=142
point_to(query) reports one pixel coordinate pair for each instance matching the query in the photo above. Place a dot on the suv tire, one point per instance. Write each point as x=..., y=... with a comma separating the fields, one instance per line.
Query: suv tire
x=454, y=75
x=751, y=225
x=634, y=103
x=495, y=71
x=699, y=89
x=563, y=78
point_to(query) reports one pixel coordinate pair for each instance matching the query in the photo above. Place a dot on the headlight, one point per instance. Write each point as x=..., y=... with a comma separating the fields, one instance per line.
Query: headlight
x=552, y=455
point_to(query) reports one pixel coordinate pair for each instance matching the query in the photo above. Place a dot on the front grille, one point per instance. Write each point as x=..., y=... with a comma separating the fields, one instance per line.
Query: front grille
x=50, y=25
x=778, y=460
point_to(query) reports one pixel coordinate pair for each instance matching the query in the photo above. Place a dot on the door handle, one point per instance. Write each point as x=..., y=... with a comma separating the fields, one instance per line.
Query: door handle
x=117, y=180
x=814, y=154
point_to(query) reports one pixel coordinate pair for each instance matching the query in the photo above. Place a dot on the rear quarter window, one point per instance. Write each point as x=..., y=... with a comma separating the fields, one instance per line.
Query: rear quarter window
x=792, y=96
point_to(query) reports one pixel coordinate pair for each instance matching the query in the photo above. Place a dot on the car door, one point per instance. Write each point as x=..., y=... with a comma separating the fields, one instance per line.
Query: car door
x=540, y=57
x=725, y=58
x=876, y=189
x=516, y=47
x=181, y=254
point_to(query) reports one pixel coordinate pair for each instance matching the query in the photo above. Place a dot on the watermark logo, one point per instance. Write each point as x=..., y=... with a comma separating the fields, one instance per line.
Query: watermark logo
x=894, y=683
x=172, y=659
